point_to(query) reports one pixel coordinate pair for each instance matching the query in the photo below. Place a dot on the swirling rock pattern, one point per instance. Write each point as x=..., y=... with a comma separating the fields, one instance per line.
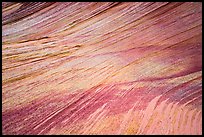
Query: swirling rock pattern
x=101, y=68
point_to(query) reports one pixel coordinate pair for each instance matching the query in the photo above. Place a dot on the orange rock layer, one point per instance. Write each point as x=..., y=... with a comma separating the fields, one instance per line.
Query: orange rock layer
x=102, y=68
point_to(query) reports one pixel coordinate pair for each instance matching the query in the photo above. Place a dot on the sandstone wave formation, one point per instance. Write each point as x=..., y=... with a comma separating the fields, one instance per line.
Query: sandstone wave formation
x=101, y=68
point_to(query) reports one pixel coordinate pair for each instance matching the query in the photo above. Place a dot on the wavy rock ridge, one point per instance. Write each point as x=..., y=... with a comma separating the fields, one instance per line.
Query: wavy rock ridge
x=101, y=68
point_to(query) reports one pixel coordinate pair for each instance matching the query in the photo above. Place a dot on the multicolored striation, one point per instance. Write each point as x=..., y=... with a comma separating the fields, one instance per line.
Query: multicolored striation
x=102, y=68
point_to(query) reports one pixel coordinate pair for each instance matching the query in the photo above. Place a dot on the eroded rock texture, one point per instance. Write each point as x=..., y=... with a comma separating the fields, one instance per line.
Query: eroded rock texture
x=101, y=68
